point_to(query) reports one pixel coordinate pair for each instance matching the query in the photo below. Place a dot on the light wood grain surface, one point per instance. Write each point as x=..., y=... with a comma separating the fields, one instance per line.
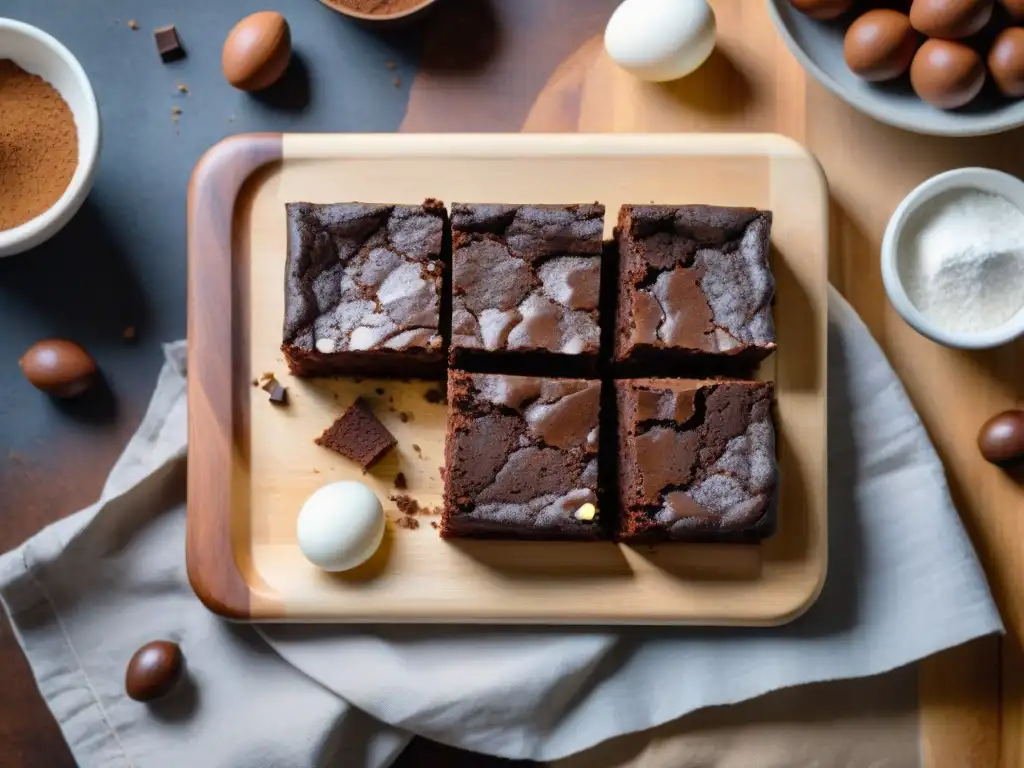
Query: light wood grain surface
x=274, y=466
x=971, y=698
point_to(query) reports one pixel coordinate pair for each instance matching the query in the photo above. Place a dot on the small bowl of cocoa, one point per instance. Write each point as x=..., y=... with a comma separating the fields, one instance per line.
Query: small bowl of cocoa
x=50, y=125
x=373, y=11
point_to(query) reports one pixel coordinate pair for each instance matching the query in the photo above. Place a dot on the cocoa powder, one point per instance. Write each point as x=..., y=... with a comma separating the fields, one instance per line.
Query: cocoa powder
x=38, y=145
x=380, y=7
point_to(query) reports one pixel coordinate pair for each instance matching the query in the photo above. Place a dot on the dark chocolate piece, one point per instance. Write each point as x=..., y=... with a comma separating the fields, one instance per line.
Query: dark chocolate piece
x=363, y=289
x=167, y=43
x=358, y=435
x=526, y=281
x=153, y=670
x=278, y=394
x=521, y=457
x=696, y=460
x=694, y=283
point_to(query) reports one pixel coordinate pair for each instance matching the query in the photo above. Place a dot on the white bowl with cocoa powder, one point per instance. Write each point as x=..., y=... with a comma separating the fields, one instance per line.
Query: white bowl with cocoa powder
x=36, y=126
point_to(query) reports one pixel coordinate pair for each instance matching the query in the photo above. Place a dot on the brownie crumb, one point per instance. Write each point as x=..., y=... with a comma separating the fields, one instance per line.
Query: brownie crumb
x=400, y=482
x=379, y=390
x=358, y=435
x=182, y=88
x=397, y=83
x=128, y=333
x=404, y=417
x=409, y=523
x=133, y=25
x=406, y=504
x=417, y=448
x=316, y=471
x=255, y=383
x=433, y=396
x=434, y=525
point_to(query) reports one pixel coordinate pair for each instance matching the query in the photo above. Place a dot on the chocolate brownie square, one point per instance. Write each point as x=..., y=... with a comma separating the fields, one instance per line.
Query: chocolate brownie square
x=694, y=286
x=363, y=289
x=358, y=435
x=521, y=457
x=696, y=459
x=526, y=281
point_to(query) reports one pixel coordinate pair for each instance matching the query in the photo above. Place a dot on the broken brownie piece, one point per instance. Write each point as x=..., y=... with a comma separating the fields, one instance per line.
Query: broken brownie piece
x=694, y=283
x=363, y=289
x=358, y=435
x=526, y=281
x=521, y=457
x=696, y=459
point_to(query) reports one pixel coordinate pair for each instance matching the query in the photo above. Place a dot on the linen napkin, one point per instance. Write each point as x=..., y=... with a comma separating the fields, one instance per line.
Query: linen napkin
x=83, y=594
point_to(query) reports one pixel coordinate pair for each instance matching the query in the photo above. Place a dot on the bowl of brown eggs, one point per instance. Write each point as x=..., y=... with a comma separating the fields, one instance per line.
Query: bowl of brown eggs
x=941, y=67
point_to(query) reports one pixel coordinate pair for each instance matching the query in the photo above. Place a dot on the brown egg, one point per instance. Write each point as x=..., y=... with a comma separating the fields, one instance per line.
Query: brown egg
x=950, y=19
x=1001, y=439
x=946, y=74
x=257, y=51
x=1006, y=62
x=823, y=10
x=1014, y=7
x=58, y=367
x=880, y=45
x=153, y=670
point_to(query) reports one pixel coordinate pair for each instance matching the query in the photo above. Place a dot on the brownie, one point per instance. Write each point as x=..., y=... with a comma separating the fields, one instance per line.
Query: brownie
x=696, y=459
x=694, y=285
x=363, y=289
x=525, y=282
x=521, y=457
x=358, y=435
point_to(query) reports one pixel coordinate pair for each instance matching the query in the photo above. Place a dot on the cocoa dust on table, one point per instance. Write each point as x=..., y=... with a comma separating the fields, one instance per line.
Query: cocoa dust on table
x=38, y=145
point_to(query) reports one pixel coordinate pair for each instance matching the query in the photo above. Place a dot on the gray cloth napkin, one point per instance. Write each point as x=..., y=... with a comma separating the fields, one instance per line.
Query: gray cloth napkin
x=86, y=592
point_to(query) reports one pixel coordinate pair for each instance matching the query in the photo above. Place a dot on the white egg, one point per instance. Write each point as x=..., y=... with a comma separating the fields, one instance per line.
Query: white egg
x=660, y=40
x=340, y=526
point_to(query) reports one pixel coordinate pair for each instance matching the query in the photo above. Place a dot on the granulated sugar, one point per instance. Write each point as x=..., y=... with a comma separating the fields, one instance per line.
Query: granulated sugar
x=962, y=260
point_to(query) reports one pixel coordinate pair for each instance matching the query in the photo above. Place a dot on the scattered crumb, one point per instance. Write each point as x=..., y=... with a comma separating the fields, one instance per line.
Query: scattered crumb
x=434, y=525
x=357, y=381
x=268, y=382
x=128, y=333
x=417, y=449
x=397, y=83
x=182, y=88
x=316, y=471
x=405, y=417
x=409, y=523
x=400, y=482
x=175, y=113
x=267, y=375
x=391, y=66
x=133, y=24
x=255, y=383
x=406, y=504
x=433, y=396
x=391, y=399
x=379, y=390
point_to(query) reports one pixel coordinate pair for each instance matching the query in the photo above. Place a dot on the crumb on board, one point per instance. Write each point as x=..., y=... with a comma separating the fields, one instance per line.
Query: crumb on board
x=255, y=382
x=434, y=525
x=133, y=25
x=400, y=482
x=316, y=471
x=396, y=82
x=404, y=417
x=417, y=449
x=182, y=88
x=406, y=504
x=379, y=390
x=409, y=523
x=433, y=395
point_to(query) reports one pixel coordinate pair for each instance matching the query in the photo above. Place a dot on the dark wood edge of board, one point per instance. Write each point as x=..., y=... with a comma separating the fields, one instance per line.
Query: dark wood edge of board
x=213, y=419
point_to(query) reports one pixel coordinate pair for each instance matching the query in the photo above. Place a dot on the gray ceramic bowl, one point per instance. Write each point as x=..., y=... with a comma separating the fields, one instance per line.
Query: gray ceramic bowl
x=818, y=46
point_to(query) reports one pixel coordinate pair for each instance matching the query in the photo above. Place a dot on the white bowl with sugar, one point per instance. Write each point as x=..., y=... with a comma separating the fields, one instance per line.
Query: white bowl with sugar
x=953, y=258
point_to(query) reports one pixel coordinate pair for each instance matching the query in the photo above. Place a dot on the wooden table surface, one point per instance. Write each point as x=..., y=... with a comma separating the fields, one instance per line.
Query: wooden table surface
x=538, y=65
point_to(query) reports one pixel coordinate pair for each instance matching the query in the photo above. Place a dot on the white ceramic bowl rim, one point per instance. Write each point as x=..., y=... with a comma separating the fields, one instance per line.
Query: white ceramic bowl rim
x=981, y=179
x=87, y=152
x=972, y=125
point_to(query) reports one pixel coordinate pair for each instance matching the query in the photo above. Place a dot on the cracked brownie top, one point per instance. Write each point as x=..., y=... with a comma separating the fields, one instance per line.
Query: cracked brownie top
x=362, y=277
x=521, y=457
x=526, y=278
x=695, y=457
x=694, y=279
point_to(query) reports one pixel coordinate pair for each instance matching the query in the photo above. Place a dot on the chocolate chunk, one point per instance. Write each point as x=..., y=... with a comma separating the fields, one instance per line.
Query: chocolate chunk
x=358, y=435
x=278, y=394
x=400, y=482
x=167, y=43
x=153, y=670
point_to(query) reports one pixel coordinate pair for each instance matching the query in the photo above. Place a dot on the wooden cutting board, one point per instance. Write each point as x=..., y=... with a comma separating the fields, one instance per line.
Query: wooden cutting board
x=252, y=464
